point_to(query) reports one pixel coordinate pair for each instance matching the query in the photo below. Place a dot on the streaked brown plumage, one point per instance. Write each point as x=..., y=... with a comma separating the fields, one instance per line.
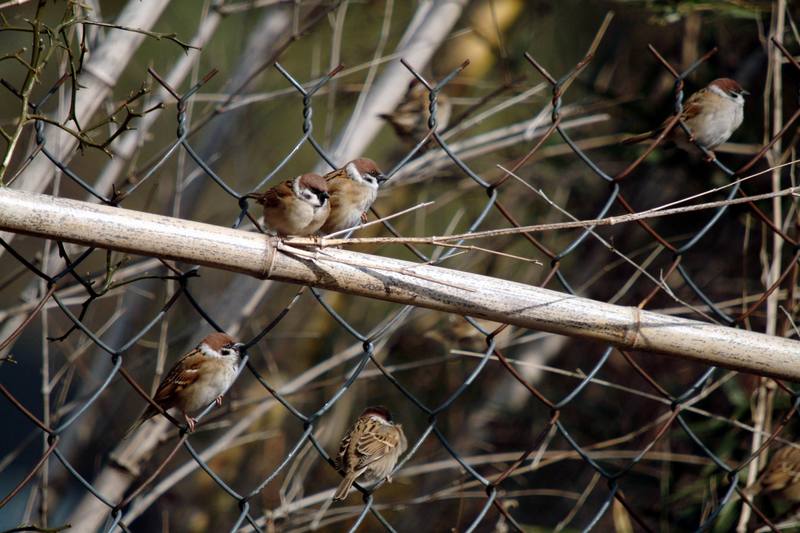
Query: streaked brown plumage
x=410, y=118
x=781, y=476
x=712, y=114
x=298, y=206
x=198, y=378
x=370, y=449
x=353, y=188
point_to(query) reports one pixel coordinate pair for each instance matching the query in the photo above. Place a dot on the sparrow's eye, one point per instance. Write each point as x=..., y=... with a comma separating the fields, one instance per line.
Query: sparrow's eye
x=228, y=350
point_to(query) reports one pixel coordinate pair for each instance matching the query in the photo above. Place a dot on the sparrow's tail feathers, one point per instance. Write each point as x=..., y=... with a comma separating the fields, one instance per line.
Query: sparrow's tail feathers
x=344, y=487
x=638, y=138
x=148, y=413
x=753, y=489
x=136, y=425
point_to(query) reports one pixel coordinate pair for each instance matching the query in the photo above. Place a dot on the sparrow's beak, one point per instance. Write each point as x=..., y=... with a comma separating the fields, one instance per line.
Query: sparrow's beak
x=381, y=178
x=323, y=195
x=746, y=93
x=239, y=346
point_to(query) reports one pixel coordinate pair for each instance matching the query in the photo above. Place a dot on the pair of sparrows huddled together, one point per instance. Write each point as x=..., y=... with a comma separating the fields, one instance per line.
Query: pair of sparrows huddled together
x=368, y=452
x=311, y=203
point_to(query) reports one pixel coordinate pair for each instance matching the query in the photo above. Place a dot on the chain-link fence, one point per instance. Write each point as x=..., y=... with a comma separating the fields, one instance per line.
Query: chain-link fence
x=444, y=480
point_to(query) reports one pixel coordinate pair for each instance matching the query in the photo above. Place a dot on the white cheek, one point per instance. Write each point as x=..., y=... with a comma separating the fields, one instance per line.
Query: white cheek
x=353, y=172
x=208, y=352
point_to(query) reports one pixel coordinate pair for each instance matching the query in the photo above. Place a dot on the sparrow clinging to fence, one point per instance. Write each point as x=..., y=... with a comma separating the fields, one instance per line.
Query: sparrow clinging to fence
x=197, y=379
x=370, y=449
x=410, y=118
x=712, y=114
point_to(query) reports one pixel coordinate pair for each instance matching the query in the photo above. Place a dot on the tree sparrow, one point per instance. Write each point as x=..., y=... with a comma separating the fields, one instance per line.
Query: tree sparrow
x=370, y=449
x=198, y=378
x=295, y=207
x=352, y=189
x=781, y=476
x=712, y=114
x=410, y=118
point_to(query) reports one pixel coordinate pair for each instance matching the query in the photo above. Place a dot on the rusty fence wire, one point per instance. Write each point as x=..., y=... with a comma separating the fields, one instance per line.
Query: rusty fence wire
x=481, y=512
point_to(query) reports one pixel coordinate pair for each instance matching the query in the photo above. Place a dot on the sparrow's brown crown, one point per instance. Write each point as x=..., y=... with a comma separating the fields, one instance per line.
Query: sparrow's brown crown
x=216, y=341
x=378, y=410
x=366, y=166
x=728, y=86
x=315, y=182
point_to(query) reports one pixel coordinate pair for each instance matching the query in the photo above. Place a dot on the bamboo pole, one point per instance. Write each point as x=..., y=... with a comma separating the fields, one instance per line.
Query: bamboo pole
x=397, y=281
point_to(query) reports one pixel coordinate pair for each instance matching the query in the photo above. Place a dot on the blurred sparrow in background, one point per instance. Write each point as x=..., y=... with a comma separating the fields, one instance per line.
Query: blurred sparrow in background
x=712, y=114
x=295, y=207
x=370, y=450
x=410, y=118
x=198, y=378
x=353, y=188
x=781, y=476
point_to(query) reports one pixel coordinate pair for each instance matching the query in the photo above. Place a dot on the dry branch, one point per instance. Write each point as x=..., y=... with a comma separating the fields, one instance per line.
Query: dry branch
x=100, y=74
x=398, y=281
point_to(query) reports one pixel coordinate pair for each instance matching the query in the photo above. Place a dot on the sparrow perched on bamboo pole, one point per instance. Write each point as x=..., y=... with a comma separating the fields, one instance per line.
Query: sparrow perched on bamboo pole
x=353, y=188
x=297, y=206
x=712, y=114
x=410, y=118
x=781, y=475
x=370, y=449
x=198, y=378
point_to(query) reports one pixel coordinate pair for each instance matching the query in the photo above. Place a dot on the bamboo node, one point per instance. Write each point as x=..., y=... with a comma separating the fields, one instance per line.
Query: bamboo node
x=632, y=332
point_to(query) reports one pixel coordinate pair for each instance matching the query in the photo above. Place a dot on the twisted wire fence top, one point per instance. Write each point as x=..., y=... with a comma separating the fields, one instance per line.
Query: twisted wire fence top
x=501, y=422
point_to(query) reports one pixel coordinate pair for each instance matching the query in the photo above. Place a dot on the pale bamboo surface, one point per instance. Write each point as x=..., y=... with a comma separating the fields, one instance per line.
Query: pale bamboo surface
x=397, y=281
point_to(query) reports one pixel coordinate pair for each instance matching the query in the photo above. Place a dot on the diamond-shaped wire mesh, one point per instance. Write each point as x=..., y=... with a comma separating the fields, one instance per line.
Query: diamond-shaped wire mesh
x=444, y=480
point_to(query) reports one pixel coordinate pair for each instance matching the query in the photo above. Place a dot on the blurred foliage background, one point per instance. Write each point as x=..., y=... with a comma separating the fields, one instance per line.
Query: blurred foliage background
x=624, y=90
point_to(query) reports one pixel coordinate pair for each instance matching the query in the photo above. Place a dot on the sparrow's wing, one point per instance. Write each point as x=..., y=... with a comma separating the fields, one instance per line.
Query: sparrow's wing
x=783, y=470
x=184, y=373
x=272, y=197
x=331, y=177
x=408, y=112
x=692, y=107
x=341, y=188
x=341, y=457
x=775, y=478
x=376, y=444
